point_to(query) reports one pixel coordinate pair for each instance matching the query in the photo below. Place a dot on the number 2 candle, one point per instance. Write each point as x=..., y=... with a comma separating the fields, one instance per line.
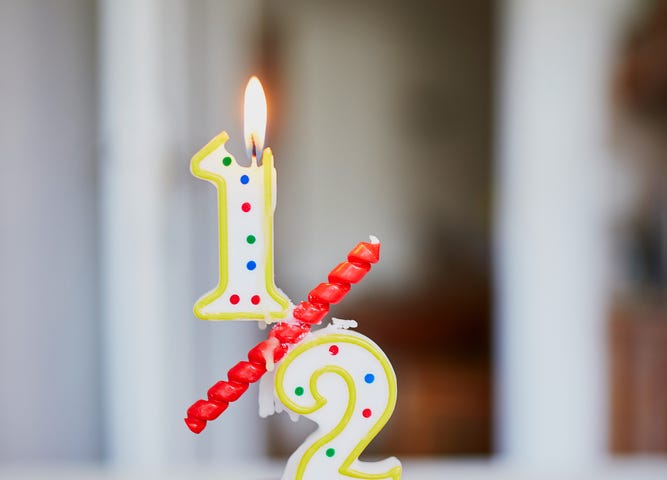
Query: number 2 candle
x=338, y=378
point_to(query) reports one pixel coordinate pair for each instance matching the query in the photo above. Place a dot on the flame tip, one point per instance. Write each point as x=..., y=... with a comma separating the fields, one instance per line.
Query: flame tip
x=254, y=118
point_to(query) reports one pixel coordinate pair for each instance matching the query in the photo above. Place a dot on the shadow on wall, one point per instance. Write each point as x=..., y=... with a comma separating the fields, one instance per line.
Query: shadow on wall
x=639, y=326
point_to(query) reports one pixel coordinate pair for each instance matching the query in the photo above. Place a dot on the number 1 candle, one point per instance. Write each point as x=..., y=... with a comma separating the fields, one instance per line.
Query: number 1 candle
x=246, y=202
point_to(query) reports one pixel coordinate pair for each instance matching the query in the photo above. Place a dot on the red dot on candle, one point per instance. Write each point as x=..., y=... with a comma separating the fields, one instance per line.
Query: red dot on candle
x=255, y=299
x=245, y=207
x=367, y=413
x=234, y=299
x=333, y=349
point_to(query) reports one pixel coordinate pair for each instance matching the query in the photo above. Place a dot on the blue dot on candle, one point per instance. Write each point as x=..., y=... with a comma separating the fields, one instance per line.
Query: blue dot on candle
x=369, y=378
x=245, y=179
x=251, y=265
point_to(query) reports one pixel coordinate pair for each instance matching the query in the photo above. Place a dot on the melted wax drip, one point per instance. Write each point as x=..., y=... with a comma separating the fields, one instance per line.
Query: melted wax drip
x=283, y=335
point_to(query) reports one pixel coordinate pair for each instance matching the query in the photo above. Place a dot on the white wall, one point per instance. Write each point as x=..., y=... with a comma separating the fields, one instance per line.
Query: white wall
x=172, y=77
x=49, y=314
x=553, y=223
x=82, y=380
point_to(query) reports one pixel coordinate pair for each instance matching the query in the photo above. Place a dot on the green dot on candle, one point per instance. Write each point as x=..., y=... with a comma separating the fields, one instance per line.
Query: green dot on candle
x=250, y=239
x=330, y=452
x=298, y=391
x=227, y=161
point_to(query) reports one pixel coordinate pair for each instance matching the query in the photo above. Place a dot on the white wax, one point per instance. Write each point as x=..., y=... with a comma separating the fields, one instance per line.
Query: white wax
x=342, y=381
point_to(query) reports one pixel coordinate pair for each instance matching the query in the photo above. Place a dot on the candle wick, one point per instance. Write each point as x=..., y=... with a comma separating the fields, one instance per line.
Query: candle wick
x=253, y=149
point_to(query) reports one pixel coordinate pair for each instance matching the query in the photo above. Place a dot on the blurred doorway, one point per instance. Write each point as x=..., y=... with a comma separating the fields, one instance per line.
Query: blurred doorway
x=390, y=106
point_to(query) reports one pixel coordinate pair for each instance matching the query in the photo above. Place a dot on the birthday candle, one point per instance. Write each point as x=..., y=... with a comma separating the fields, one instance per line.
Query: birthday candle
x=246, y=203
x=344, y=382
x=283, y=335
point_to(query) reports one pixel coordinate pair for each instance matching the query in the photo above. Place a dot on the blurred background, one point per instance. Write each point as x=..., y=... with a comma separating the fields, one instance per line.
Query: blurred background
x=509, y=154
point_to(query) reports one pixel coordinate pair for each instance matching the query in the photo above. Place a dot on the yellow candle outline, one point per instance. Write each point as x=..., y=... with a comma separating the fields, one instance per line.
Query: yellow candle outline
x=345, y=468
x=223, y=279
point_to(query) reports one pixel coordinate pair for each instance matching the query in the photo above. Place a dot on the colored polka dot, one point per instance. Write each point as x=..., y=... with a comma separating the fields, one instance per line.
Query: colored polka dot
x=298, y=391
x=333, y=349
x=330, y=452
x=255, y=299
x=369, y=378
x=250, y=239
x=245, y=207
x=234, y=299
x=251, y=265
x=227, y=161
x=245, y=179
x=367, y=413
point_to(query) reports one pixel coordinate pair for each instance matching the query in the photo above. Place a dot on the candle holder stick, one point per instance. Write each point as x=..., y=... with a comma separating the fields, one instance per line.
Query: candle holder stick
x=263, y=356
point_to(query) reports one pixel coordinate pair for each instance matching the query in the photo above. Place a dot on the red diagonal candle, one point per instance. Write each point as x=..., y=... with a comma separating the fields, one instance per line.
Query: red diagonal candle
x=284, y=334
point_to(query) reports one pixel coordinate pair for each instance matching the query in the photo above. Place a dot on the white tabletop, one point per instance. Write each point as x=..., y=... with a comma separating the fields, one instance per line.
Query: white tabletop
x=637, y=469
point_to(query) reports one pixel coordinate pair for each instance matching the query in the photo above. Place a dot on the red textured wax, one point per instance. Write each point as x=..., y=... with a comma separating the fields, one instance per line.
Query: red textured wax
x=283, y=334
x=289, y=333
x=226, y=391
x=247, y=372
x=365, y=252
x=267, y=348
x=348, y=272
x=328, y=292
x=310, y=313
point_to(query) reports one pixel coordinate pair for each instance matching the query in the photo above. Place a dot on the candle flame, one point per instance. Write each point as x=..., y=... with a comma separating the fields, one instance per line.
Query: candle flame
x=254, y=118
